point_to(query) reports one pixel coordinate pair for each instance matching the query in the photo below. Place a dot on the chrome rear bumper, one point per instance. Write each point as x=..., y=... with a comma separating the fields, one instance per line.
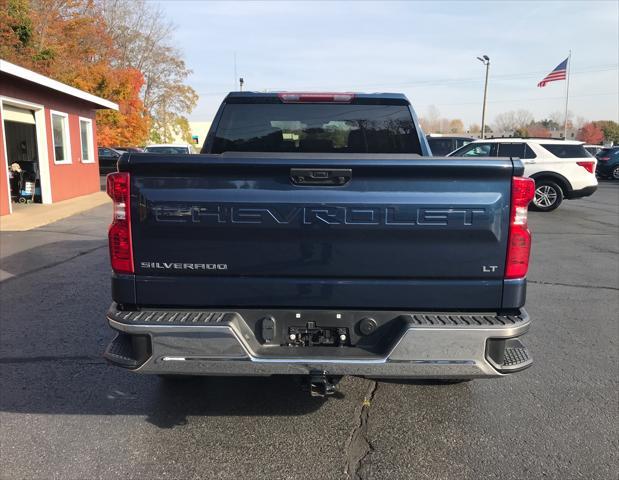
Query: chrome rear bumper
x=459, y=346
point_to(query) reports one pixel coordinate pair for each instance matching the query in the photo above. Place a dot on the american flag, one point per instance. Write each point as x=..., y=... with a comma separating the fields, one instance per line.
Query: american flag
x=559, y=73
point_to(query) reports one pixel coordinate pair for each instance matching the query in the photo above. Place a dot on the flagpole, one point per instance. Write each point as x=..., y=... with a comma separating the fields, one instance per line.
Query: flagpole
x=567, y=93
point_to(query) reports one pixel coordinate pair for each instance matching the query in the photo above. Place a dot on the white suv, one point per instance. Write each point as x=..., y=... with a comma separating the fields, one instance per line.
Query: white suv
x=561, y=168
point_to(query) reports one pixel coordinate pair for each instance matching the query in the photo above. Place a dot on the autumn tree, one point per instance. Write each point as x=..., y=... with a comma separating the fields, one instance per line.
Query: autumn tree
x=15, y=29
x=143, y=36
x=590, y=133
x=456, y=126
x=67, y=40
x=474, y=128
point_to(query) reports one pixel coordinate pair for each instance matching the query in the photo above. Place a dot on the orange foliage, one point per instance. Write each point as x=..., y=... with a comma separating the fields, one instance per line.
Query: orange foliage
x=67, y=40
x=591, y=133
x=128, y=126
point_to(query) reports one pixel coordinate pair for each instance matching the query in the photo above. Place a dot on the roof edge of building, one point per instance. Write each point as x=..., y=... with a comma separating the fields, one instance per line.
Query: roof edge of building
x=30, y=76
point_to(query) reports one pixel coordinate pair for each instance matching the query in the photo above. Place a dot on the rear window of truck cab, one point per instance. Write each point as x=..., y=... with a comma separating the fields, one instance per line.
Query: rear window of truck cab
x=316, y=128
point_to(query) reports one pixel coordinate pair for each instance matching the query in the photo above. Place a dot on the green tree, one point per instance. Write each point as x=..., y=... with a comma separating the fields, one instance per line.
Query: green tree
x=610, y=129
x=549, y=124
x=521, y=132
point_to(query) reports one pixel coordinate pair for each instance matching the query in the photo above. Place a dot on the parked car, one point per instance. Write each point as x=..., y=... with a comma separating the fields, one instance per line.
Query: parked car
x=129, y=149
x=108, y=157
x=169, y=149
x=441, y=145
x=593, y=149
x=608, y=163
x=562, y=169
x=315, y=236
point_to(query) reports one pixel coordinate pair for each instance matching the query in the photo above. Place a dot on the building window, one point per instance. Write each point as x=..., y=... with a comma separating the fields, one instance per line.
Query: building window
x=60, y=137
x=88, y=152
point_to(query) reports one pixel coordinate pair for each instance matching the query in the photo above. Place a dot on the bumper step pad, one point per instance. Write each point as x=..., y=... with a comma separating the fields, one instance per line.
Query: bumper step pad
x=514, y=356
x=120, y=351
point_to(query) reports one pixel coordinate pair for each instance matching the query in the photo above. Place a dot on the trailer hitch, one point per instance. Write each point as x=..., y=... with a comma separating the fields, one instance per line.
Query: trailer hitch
x=322, y=385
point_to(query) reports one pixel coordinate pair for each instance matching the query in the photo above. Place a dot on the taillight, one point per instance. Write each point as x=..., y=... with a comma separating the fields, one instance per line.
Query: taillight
x=519, y=240
x=121, y=251
x=313, y=97
x=588, y=166
x=603, y=159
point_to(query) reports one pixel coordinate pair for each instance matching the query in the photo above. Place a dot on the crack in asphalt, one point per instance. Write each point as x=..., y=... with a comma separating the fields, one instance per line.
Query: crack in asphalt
x=53, y=264
x=556, y=284
x=358, y=446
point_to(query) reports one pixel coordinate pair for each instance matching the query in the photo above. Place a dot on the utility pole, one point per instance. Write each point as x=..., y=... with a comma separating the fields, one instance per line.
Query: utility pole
x=486, y=61
x=241, y=82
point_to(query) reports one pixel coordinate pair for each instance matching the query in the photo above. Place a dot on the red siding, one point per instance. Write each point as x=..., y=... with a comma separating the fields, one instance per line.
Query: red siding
x=67, y=180
x=77, y=178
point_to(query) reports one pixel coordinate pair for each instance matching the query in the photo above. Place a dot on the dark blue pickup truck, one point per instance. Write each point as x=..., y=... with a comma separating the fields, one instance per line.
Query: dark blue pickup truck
x=315, y=235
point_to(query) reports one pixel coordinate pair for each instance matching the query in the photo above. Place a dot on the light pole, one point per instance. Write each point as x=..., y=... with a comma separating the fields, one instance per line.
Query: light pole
x=486, y=61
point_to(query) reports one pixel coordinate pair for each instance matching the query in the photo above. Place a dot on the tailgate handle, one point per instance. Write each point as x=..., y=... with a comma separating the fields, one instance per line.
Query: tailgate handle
x=320, y=176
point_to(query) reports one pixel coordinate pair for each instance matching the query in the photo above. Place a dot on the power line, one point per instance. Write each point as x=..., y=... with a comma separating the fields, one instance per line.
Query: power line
x=507, y=76
x=529, y=98
x=460, y=81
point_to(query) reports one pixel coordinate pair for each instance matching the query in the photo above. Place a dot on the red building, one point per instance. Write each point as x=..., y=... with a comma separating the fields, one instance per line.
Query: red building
x=48, y=129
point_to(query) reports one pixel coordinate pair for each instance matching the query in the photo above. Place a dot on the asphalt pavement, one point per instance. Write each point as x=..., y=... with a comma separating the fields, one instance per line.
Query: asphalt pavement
x=66, y=414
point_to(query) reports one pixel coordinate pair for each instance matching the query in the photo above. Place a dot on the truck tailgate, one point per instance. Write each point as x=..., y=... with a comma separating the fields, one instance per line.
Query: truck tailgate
x=401, y=231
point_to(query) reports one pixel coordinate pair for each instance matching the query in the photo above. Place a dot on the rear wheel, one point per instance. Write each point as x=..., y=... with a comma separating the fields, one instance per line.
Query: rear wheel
x=548, y=196
x=616, y=172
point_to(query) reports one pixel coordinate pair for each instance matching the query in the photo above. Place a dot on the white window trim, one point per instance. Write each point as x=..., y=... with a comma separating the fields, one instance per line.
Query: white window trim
x=69, y=159
x=90, y=135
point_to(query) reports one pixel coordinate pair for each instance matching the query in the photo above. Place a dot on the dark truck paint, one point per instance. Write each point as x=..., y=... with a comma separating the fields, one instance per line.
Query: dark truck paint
x=295, y=261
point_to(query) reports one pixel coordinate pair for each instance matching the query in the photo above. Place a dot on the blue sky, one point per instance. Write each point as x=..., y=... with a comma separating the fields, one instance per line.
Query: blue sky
x=424, y=49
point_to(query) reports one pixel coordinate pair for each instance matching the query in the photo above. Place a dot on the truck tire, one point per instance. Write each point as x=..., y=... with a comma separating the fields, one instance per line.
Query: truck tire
x=548, y=196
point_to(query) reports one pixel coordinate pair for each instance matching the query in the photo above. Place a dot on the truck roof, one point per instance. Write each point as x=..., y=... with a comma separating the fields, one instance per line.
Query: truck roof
x=357, y=95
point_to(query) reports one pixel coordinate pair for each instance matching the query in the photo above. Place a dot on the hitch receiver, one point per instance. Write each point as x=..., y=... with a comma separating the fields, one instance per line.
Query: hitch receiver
x=322, y=385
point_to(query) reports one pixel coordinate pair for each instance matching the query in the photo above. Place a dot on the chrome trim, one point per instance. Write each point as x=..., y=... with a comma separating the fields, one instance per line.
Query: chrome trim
x=449, y=352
